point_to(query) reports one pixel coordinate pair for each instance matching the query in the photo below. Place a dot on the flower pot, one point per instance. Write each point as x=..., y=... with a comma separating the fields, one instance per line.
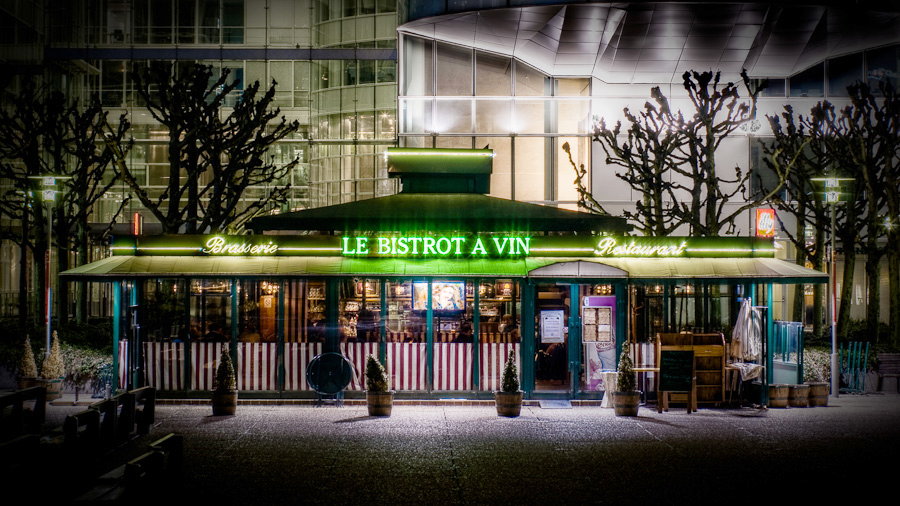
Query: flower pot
x=224, y=403
x=508, y=403
x=54, y=388
x=379, y=403
x=626, y=403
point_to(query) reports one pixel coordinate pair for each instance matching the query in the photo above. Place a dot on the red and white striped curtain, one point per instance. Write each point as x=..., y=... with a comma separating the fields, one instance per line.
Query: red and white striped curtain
x=123, y=363
x=406, y=365
x=164, y=365
x=297, y=357
x=204, y=360
x=452, y=366
x=356, y=353
x=257, y=366
x=491, y=360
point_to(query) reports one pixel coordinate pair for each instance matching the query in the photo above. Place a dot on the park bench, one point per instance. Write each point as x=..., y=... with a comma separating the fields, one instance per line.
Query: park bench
x=145, y=409
x=16, y=419
x=888, y=366
x=81, y=431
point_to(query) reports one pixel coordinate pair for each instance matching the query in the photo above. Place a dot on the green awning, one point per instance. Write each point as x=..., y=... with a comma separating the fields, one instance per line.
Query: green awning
x=649, y=269
x=654, y=269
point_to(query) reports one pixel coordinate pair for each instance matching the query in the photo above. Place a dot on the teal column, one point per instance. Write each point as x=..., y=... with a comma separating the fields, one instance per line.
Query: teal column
x=770, y=334
x=382, y=324
x=279, y=338
x=189, y=340
x=234, y=322
x=526, y=353
x=574, y=324
x=116, y=333
x=429, y=340
x=137, y=355
x=332, y=310
x=476, y=328
x=621, y=290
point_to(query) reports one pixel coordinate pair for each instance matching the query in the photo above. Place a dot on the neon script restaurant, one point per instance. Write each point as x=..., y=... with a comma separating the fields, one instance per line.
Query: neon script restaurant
x=439, y=280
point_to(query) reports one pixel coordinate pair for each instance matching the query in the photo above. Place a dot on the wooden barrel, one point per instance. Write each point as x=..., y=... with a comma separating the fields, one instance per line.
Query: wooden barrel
x=508, y=403
x=798, y=396
x=379, y=403
x=778, y=396
x=818, y=394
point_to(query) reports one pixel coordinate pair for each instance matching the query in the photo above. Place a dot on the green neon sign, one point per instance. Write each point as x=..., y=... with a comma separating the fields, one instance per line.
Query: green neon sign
x=436, y=246
x=611, y=247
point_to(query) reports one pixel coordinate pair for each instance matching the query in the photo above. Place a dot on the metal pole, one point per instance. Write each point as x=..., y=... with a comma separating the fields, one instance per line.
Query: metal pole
x=835, y=370
x=48, y=269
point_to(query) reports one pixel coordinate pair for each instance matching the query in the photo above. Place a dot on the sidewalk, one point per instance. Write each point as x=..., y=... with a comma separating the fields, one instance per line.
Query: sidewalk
x=450, y=454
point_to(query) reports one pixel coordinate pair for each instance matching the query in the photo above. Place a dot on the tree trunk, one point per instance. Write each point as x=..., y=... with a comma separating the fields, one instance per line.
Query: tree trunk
x=845, y=298
x=819, y=289
x=894, y=288
x=873, y=299
x=23, y=273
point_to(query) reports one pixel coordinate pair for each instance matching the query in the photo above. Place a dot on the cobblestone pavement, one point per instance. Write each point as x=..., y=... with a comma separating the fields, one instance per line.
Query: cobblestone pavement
x=441, y=454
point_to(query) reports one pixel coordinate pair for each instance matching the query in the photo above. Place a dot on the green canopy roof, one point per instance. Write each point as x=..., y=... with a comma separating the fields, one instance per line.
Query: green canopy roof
x=464, y=212
x=649, y=269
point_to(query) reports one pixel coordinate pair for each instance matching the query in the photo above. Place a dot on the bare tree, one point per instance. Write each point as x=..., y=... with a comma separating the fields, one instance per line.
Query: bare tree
x=670, y=158
x=214, y=154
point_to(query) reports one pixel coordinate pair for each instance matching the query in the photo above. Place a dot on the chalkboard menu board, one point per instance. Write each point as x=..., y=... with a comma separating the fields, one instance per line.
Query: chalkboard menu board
x=676, y=369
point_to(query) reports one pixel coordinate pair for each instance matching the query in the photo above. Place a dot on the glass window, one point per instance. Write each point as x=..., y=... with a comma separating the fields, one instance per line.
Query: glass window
x=386, y=6
x=416, y=115
x=501, y=175
x=304, y=311
x=843, y=72
x=404, y=325
x=210, y=310
x=774, y=87
x=257, y=310
x=366, y=7
x=493, y=75
x=417, y=67
x=493, y=116
x=529, y=117
x=809, y=83
x=531, y=82
x=530, y=176
x=386, y=71
x=882, y=65
x=210, y=21
x=186, y=21
x=579, y=147
x=366, y=71
x=573, y=116
x=579, y=87
x=499, y=308
x=360, y=310
x=453, y=75
x=453, y=116
x=163, y=310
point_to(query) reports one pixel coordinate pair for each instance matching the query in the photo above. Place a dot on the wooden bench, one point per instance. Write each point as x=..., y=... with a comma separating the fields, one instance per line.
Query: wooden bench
x=144, y=409
x=888, y=366
x=16, y=419
x=81, y=431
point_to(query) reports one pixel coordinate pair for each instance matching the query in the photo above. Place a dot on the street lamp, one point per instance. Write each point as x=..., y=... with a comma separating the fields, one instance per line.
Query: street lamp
x=48, y=195
x=833, y=198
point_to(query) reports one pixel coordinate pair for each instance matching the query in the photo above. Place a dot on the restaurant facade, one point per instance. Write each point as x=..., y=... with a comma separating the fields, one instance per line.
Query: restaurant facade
x=440, y=281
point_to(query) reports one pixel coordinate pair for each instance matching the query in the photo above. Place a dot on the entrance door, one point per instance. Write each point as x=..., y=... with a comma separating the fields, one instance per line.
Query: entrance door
x=551, y=367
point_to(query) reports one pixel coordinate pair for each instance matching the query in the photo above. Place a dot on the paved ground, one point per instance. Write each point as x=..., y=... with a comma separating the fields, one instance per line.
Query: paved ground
x=440, y=454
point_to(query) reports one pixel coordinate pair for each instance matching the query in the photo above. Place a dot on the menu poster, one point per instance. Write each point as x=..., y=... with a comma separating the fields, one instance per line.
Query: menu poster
x=552, y=326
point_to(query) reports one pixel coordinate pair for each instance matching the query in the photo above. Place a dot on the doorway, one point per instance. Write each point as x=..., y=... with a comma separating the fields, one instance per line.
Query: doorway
x=551, y=363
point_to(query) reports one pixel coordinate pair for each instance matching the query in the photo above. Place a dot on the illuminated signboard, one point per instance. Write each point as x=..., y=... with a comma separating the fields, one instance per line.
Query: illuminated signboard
x=424, y=246
x=440, y=246
x=765, y=223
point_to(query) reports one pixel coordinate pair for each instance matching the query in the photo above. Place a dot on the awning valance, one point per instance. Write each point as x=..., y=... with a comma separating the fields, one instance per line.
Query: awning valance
x=649, y=269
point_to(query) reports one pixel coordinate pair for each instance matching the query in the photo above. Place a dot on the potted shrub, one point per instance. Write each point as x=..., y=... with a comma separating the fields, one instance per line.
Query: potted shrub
x=27, y=373
x=509, y=398
x=53, y=370
x=224, y=396
x=379, y=397
x=626, y=398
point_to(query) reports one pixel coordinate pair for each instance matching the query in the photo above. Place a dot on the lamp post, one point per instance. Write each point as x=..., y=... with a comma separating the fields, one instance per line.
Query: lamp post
x=48, y=195
x=833, y=198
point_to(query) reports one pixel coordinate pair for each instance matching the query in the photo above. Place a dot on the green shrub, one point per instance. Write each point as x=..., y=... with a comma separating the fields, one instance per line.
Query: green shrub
x=510, y=381
x=376, y=376
x=626, y=381
x=225, y=377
